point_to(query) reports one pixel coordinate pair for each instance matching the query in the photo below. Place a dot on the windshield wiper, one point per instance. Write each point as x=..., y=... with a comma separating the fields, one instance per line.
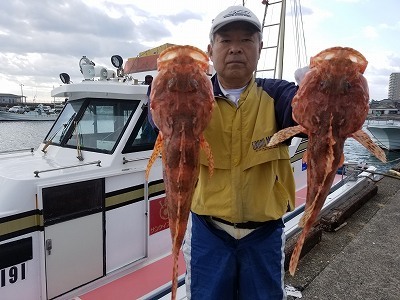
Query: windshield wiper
x=65, y=127
x=78, y=141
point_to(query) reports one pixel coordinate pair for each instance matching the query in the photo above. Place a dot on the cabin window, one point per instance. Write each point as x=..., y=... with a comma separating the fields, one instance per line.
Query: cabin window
x=64, y=121
x=74, y=200
x=143, y=136
x=93, y=124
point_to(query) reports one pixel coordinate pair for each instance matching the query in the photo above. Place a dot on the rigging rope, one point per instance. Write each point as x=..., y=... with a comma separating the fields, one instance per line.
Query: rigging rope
x=299, y=36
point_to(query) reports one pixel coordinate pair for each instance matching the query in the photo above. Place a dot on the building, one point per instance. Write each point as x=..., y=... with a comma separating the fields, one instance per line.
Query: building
x=385, y=107
x=10, y=99
x=394, y=86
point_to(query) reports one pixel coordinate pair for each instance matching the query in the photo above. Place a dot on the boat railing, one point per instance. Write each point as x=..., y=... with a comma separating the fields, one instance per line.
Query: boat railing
x=381, y=122
x=97, y=162
x=17, y=150
x=352, y=170
x=125, y=161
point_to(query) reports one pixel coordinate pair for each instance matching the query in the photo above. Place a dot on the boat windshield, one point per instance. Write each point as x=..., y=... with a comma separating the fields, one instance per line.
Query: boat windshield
x=92, y=124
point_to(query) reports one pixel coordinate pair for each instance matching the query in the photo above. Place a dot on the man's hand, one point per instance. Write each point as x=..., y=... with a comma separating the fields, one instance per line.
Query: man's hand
x=300, y=73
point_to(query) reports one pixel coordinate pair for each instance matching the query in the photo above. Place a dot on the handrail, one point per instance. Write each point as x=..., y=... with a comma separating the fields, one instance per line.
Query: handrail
x=125, y=161
x=18, y=150
x=98, y=162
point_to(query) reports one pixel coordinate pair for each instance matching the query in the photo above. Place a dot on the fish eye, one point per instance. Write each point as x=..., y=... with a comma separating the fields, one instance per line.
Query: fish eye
x=346, y=86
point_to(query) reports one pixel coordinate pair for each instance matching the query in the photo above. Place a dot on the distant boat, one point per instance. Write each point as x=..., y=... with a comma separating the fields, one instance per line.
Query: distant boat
x=41, y=113
x=387, y=133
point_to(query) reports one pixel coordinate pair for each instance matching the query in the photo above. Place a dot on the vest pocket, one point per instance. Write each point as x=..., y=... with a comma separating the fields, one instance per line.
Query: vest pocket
x=282, y=197
x=265, y=155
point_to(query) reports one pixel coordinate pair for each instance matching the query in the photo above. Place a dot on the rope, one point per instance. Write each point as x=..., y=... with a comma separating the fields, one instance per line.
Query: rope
x=362, y=168
x=78, y=141
x=299, y=36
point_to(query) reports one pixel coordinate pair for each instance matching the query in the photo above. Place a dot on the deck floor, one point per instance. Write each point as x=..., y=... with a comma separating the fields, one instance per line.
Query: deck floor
x=137, y=284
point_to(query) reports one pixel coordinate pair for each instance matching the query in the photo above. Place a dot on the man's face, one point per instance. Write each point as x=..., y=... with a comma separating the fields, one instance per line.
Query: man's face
x=235, y=53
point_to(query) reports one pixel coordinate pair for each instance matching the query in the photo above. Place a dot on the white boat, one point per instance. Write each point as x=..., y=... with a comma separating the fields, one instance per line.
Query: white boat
x=386, y=133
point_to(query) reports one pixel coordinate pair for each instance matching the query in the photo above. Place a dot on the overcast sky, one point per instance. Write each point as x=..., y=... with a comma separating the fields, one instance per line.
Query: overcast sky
x=39, y=39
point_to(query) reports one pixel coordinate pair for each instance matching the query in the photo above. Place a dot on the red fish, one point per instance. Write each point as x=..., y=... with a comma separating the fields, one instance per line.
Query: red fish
x=330, y=106
x=182, y=101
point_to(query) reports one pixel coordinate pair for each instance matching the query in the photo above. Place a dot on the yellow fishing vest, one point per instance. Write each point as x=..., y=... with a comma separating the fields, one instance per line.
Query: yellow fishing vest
x=250, y=181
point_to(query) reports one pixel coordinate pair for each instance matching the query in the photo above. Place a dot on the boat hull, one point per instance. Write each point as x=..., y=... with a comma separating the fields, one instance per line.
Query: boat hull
x=387, y=135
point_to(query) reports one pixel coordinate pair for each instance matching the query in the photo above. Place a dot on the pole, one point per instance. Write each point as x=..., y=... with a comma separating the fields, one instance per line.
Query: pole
x=281, y=39
x=22, y=94
x=54, y=101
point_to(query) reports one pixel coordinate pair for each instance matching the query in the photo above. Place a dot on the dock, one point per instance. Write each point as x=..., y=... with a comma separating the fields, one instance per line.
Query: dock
x=358, y=258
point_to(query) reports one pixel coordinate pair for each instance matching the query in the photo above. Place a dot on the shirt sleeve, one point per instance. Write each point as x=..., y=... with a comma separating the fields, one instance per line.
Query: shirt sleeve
x=282, y=92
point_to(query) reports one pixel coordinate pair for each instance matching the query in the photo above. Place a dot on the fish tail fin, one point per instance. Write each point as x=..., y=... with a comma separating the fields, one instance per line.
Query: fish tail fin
x=156, y=151
x=175, y=252
x=306, y=222
x=207, y=149
x=363, y=138
x=294, y=259
x=175, y=274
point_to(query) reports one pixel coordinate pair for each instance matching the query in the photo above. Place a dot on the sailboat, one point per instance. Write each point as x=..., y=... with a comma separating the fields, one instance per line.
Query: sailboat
x=77, y=218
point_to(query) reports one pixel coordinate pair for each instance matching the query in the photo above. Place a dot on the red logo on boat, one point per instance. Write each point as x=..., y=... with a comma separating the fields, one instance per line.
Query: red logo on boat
x=158, y=215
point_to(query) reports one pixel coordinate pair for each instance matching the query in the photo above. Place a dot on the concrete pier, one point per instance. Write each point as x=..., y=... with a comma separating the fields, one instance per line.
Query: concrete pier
x=360, y=258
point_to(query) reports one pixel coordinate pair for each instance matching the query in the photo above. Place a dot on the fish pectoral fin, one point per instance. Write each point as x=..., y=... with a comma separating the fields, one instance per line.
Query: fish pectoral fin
x=156, y=152
x=305, y=157
x=284, y=134
x=207, y=149
x=363, y=138
x=306, y=215
x=341, y=160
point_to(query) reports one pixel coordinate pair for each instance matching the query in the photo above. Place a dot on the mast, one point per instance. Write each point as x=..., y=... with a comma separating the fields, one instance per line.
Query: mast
x=273, y=31
x=281, y=40
x=273, y=27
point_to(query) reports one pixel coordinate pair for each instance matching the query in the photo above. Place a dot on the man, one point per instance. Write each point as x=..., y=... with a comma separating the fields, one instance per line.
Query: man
x=234, y=245
x=148, y=79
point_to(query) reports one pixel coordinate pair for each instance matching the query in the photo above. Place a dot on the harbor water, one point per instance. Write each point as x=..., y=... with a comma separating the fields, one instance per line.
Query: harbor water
x=24, y=135
x=15, y=135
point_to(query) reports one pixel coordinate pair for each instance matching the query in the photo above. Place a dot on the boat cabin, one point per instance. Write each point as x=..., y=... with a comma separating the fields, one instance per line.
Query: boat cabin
x=77, y=208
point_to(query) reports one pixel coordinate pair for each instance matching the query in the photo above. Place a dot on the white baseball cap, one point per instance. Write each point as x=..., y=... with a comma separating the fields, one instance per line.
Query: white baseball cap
x=234, y=14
